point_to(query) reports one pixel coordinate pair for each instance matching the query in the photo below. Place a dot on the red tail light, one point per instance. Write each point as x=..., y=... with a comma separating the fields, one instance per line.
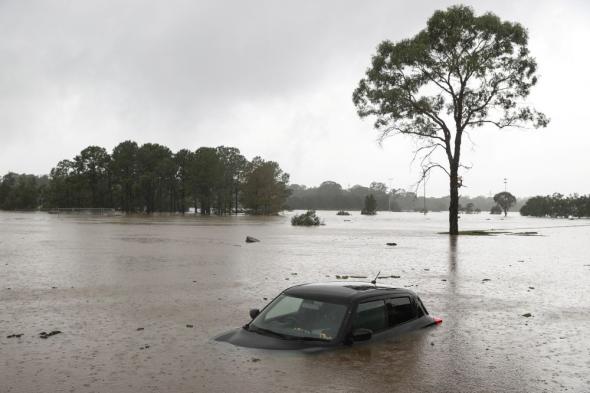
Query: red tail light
x=437, y=320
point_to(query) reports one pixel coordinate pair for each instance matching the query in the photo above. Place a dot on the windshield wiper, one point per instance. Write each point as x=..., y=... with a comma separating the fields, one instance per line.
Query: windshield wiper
x=308, y=338
x=266, y=332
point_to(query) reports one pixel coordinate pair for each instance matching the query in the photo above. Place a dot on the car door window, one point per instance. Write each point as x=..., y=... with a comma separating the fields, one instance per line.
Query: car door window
x=400, y=310
x=370, y=315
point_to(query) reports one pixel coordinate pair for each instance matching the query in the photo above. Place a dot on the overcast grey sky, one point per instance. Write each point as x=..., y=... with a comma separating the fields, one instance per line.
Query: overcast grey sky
x=273, y=78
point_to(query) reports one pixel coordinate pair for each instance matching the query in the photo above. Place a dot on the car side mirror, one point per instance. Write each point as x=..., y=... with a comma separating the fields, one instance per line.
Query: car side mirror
x=254, y=313
x=362, y=334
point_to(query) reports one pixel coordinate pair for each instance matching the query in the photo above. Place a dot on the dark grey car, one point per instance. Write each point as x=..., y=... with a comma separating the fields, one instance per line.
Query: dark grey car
x=332, y=314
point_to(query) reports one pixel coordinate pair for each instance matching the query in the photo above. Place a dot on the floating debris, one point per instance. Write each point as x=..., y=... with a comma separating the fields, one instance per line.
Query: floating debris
x=188, y=325
x=391, y=244
x=45, y=335
x=486, y=279
x=254, y=360
x=139, y=329
x=144, y=347
x=18, y=335
x=527, y=315
x=250, y=239
x=524, y=234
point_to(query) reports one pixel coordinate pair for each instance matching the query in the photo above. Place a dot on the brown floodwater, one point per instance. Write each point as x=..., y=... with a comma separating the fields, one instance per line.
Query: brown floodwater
x=100, y=279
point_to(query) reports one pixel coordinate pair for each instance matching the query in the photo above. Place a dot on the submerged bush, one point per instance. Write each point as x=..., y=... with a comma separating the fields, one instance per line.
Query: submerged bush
x=343, y=213
x=307, y=219
x=496, y=210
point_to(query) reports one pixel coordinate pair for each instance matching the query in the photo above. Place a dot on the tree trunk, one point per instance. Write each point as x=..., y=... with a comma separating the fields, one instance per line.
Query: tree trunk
x=237, y=190
x=454, y=204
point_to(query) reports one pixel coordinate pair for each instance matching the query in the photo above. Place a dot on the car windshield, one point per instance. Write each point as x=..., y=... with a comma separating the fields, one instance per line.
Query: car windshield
x=291, y=317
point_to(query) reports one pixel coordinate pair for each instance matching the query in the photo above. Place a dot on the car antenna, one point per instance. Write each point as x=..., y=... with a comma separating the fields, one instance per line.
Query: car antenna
x=374, y=282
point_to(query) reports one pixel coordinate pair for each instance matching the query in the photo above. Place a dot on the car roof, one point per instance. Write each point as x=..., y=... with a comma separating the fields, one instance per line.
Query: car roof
x=343, y=291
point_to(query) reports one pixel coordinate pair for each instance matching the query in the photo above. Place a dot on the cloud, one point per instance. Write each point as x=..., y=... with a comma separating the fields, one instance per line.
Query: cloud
x=271, y=78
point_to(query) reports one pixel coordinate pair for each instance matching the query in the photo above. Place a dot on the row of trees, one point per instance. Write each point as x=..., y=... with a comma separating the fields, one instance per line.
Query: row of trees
x=332, y=196
x=21, y=191
x=151, y=178
x=557, y=205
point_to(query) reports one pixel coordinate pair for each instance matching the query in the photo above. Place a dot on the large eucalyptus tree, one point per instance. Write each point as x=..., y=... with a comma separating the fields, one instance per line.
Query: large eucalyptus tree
x=462, y=71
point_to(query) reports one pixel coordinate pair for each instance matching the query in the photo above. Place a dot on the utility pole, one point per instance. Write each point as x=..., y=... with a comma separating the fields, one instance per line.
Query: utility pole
x=505, y=182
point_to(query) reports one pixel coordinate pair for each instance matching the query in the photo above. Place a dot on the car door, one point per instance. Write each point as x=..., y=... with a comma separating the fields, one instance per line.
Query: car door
x=387, y=316
x=402, y=314
x=370, y=314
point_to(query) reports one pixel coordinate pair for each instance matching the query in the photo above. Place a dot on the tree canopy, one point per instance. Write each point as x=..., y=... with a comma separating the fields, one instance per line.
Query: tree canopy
x=557, y=205
x=370, y=207
x=462, y=71
x=505, y=200
x=151, y=178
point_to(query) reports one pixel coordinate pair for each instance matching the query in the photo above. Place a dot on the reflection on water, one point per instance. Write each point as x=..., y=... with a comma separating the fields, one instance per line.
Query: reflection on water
x=100, y=279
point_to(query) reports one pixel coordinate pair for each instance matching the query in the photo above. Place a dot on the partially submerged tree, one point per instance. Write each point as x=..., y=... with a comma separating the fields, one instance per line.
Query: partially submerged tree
x=462, y=71
x=265, y=189
x=370, y=208
x=505, y=200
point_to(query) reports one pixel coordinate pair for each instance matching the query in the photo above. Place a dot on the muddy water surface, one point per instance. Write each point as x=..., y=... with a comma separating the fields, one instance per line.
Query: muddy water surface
x=122, y=291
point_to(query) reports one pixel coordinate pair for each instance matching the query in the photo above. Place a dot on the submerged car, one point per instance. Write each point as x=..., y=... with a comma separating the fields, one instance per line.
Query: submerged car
x=332, y=314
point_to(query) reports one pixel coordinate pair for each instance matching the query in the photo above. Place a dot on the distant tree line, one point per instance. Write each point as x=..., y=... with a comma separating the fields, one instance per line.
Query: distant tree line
x=151, y=178
x=331, y=196
x=22, y=191
x=557, y=205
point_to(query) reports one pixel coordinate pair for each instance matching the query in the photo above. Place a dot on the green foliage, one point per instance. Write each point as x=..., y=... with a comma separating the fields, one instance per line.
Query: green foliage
x=208, y=174
x=307, y=219
x=505, y=200
x=265, y=187
x=462, y=71
x=557, y=205
x=343, y=213
x=22, y=192
x=370, y=207
x=125, y=172
x=92, y=167
x=151, y=178
x=470, y=208
x=331, y=196
x=496, y=209
x=334, y=197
